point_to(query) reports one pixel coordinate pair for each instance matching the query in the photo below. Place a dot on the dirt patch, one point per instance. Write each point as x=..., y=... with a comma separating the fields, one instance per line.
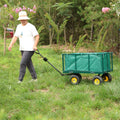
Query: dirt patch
x=44, y=90
x=4, y=66
x=66, y=48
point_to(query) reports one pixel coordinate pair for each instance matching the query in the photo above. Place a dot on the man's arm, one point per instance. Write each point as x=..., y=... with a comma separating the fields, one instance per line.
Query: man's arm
x=12, y=42
x=36, y=42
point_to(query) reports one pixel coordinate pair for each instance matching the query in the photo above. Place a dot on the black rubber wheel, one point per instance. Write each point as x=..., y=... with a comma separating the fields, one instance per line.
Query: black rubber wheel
x=107, y=77
x=79, y=75
x=75, y=79
x=97, y=80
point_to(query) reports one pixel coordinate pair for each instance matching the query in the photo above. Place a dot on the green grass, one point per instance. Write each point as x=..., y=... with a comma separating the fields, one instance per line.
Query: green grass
x=53, y=97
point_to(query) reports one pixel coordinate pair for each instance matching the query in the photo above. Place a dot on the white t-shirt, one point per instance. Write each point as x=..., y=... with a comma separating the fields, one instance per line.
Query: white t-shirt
x=26, y=36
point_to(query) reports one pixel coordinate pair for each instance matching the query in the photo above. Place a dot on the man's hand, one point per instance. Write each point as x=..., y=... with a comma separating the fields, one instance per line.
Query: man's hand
x=12, y=42
x=35, y=48
x=9, y=48
x=36, y=42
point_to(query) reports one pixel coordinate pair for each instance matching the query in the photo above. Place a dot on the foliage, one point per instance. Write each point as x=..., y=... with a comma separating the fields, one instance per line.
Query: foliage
x=71, y=43
x=93, y=16
x=100, y=41
x=2, y=115
x=9, y=14
x=64, y=9
x=40, y=29
x=58, y=29
x=80, y=42
x=81, y=17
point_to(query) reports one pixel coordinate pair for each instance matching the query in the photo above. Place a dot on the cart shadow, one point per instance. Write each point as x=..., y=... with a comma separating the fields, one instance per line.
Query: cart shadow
x=86, y=80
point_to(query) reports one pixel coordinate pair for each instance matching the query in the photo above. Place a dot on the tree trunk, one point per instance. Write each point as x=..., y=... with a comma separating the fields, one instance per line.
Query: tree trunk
x=50, y=29
x=50, y=36
x=92, y=30
x=58, y=37
x=118, y=38
x=4, y=40
x=65, y=36
x=119, y=41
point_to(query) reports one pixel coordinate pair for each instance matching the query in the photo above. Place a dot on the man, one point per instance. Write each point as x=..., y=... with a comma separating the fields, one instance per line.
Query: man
x=28, y=39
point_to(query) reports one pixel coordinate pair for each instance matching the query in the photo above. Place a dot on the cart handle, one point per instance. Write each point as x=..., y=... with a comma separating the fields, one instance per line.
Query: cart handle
x=46, y=60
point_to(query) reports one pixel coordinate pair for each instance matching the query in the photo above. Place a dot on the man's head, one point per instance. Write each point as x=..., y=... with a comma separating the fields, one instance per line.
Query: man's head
x=23, y=16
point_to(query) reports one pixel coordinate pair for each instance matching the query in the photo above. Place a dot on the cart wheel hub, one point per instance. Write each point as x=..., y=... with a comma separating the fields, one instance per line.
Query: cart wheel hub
x=74, y=80
x=97, y=81
x=106, y=79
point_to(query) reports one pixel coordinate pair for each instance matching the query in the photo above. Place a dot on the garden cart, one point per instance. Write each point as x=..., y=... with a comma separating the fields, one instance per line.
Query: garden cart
x=100, y=63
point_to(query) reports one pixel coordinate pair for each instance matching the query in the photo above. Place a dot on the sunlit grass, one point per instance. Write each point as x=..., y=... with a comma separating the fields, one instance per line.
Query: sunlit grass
x=53, y=97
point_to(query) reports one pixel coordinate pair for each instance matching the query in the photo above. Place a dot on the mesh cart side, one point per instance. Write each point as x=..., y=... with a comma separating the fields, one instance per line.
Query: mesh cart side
x=87, y=62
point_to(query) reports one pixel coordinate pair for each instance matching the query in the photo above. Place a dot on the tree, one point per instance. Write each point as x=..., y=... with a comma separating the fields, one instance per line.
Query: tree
x=58, y=29
x=64, y=12
x=5, y=20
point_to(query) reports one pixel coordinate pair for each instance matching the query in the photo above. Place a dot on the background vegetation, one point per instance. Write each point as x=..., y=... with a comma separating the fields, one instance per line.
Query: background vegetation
x=61, y=19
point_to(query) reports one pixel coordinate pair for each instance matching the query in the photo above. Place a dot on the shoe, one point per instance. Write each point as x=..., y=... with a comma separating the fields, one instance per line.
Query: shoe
x=33, y=80
x=19, y=82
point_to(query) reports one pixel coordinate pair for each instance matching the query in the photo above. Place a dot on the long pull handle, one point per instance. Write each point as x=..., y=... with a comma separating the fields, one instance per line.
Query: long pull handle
x=38, y=52
x=46, y=60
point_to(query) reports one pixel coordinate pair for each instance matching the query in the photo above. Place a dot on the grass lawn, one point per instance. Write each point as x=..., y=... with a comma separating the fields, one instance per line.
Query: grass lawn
x=53, y=97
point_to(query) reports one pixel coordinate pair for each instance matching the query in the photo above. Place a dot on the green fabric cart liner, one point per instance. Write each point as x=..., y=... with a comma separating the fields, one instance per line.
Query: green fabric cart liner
x=87, y=62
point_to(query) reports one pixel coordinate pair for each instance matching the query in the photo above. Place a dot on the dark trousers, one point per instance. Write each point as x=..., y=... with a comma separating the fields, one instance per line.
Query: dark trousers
x=26, y=61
